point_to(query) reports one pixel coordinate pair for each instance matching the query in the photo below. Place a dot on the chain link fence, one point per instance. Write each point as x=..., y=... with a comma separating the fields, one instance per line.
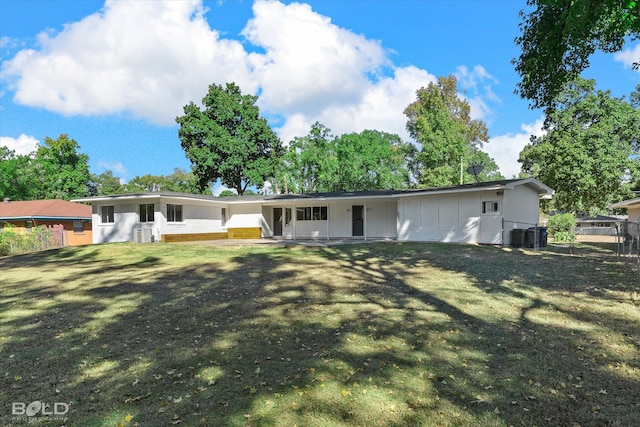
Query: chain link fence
x=621, y=241
x=36, y=239
x=628, y=242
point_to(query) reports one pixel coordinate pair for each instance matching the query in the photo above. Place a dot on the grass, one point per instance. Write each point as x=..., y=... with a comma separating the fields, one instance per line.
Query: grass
x=386, y=334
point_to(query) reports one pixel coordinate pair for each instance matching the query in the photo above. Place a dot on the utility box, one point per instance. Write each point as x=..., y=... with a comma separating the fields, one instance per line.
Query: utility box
x=143, y=235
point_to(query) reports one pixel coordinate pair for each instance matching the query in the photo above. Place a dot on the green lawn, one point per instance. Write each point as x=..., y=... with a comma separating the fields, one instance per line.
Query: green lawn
x=375, y=334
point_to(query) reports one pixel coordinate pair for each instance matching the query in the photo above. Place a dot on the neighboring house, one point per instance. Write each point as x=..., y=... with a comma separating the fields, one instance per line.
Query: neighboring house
x=632, y=206
x=598, y=225
x=631, y=227
x=473, y=213
x=75, y=218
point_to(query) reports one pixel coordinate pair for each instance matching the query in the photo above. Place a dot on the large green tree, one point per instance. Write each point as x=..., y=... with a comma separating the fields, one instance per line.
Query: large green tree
x=106, y=184
x=229, y=140
x=16, y=175
x=441, y=123
x=372, y=160
x=180, y=181
x=590, y=149
x=559, y=36
x=62, y=171
x=368, y=160
x=310, y=162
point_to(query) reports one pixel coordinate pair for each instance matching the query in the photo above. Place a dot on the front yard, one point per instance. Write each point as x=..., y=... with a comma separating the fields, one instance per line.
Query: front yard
x=375, y=334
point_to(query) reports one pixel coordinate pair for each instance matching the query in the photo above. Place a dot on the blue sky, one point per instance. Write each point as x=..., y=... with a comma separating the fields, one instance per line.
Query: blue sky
x=114, y=75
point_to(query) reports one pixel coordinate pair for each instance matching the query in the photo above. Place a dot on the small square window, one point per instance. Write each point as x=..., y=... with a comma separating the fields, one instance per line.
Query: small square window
x=78, y=227
x=107, y=214
x=490, y=207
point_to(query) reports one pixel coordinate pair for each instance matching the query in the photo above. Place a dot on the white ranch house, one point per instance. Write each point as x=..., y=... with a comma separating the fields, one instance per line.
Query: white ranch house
x=473, y=213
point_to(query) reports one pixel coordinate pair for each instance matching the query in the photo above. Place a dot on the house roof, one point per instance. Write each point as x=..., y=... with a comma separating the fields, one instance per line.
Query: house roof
x=44, y=210
x=543, y=191
x=626, y=203
x=599, y=218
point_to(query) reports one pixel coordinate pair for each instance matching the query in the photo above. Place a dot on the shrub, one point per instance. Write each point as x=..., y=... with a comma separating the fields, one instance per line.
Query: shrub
x=561, y=227
x=12, y=242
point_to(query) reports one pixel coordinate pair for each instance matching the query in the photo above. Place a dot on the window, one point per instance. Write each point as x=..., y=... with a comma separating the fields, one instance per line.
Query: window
x=319, y=213
x=490, y=207
x=107, y=214
x=311, y=213
x=146, y=212
x=78, y=227
x=224, y=216
x=287, y=216
x=174, y=213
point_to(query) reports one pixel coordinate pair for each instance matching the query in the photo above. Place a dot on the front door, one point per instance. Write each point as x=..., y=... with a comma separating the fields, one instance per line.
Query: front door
x=357, y=220
x=277, y=221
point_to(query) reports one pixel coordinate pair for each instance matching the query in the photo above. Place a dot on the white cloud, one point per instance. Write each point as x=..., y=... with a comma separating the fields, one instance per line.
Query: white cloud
x=380, y=107
x=470, y=79
x=629, y=56
x=24, y=144
x=219, y=188
x=505, y=149
x=146, y=57
x=477, y=90
x=117, y=168
x=149, y=58
x=309, y=63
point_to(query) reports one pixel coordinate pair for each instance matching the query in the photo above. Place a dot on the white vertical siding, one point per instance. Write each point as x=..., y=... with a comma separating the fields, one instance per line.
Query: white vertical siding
x=380, y=219
x=455, y=218
x=340, y=219
x=521, y=210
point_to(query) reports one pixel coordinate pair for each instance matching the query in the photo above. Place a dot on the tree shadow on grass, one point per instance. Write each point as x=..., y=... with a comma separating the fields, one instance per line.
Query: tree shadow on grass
x=385, y=334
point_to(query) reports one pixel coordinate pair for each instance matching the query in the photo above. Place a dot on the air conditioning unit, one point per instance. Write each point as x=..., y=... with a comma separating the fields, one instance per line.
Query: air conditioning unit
x=142, y=235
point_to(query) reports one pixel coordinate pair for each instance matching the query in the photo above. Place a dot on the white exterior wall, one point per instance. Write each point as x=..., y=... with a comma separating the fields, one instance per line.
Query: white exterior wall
x=126, y=215
x=634, y=213
x=451, y=216
x=521, y=210
x=340, y=218
x=380, y=220
x=248, y=215
x=454, y=218
x=197, y=217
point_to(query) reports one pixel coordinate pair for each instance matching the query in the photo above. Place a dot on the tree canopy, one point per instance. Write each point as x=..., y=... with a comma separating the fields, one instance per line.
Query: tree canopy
x=559, y=36
x=441, y=123
x=56, y=170
x=63, y=171
x=15, y=176
x=590, y=151
x=228, y=140
x=105, y=184
x=368, y=160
